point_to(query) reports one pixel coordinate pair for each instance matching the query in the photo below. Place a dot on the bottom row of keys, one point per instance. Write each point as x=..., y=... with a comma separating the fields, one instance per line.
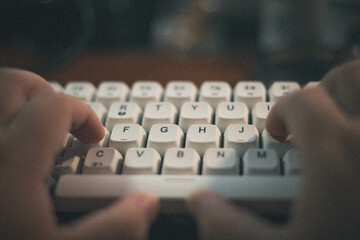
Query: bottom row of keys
x=177, y=161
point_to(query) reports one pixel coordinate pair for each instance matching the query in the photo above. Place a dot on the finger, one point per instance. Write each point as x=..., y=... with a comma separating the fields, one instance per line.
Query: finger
x=40, y=127
x=16, y=88
x=312, y=118
x=343, y=83
x=126, y=219
x=219, y=219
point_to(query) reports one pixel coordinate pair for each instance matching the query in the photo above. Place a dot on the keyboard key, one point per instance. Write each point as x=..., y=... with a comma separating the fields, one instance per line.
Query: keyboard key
x=259, y=114
x=159, y=112
x=202, y=137
x=230, y=113
x=165, y=136
x=181, y=161
x=125, y=136
x=271, y=143
x=292, y=164
x=143, y=92
x=179, y=92
x=312, y=84
x=56, y=86
x=241, y=137
x=99, y=109
x=102, y=161
x=250, y=92
x=195, y=113
x=69, y=161
x=123, y=112
x=215, y=92
x=279, y=89
x=261, y=162
x=112, y=91
x=81, y=90
x=84, y=147
x=141, y=161
x=221, y=161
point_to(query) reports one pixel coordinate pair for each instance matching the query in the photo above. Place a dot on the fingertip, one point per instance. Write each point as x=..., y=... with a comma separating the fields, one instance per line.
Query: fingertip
x=91, y=130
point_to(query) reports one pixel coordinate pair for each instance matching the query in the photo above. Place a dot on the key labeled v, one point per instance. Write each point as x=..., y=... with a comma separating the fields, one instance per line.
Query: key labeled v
x=140, y=153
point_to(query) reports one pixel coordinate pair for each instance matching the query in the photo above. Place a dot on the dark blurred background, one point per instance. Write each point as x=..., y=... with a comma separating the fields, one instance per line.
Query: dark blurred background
x=194, y=39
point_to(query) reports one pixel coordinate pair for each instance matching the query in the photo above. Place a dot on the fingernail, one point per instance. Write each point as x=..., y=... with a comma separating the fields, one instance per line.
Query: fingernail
x=147, y=202
x=202, y=201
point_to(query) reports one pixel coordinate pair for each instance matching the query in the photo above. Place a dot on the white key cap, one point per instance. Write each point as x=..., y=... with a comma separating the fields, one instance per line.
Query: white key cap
x=69, y=161
x=179, y=92
x=195, y=113
x=230, y=113
x=82, y=90
x=279, y=89
x=259, y=114
x=68, y=140
x=99, y=109
x=241, y=137
x=221, y=161
x=125, y=136
x=123, y=112
x=202, y=137
x=56, y=86
x=312, y=84
x=292, y=164
x=215, y=92
x=250, y=92
x=271, y=143
x=143, y=92
x=181, y=161
x=165, y=136
x=84, y=147
x=112, y=91
x=158, y=112
x=141, y=161
x=102, y=161
x=261, y=162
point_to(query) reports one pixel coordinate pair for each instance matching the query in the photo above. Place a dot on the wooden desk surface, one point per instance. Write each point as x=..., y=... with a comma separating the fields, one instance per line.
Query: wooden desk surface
x=98, y=66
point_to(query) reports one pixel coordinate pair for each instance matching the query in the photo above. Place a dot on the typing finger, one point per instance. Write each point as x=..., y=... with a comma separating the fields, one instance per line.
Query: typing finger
x=310, y=115
x=16, y=88
x=218, y=219
x=41, y=126
x=126, y=219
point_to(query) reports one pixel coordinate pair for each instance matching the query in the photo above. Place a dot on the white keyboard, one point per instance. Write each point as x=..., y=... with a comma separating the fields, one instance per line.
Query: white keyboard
x=175, y=140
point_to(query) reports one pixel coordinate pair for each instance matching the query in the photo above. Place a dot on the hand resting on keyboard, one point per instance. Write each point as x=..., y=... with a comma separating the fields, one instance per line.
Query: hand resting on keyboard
x=325, y=129
x=324, y=124
x=34, y=123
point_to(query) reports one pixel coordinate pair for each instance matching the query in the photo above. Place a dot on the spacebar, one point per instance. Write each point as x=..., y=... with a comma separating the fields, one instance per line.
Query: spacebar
x=266, y=194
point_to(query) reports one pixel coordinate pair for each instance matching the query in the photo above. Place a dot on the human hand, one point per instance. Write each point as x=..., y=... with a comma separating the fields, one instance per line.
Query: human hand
x=34, y=121
x=324, y=123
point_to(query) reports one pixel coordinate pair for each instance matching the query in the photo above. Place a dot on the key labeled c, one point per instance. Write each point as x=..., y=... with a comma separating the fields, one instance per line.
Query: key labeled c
x=100, y=153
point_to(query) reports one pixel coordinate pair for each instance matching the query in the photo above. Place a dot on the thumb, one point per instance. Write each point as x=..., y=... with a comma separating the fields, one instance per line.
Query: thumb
x=129, y=218
x=219, y=219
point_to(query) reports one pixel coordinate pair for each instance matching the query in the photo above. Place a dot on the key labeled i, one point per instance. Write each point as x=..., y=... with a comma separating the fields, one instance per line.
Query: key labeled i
x=259, y=114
